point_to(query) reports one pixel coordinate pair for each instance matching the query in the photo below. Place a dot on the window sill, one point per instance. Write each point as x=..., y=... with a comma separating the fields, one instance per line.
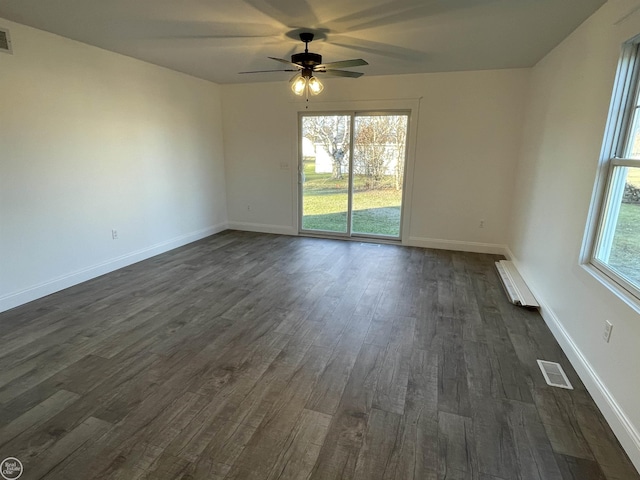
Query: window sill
x=613, y=286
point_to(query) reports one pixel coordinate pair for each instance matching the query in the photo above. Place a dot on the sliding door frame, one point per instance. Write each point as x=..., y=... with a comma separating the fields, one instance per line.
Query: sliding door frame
x=352, y=119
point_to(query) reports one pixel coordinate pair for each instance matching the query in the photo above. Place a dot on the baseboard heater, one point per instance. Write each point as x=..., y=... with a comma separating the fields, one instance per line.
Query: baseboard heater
x=517, y=291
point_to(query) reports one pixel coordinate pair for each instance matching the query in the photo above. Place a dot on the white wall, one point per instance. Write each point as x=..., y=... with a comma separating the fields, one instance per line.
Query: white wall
x=468, y=138
x=568, y=106
x=90, y=141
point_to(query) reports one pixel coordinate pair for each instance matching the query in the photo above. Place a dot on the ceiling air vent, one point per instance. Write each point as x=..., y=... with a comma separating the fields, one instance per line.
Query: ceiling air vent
x=554, y=374
x=5, y=41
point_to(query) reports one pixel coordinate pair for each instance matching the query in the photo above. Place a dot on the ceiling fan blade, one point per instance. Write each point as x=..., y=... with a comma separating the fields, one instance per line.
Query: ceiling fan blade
x=266, y=71
x=282, y=60
x=341, y=73
x=356, y=62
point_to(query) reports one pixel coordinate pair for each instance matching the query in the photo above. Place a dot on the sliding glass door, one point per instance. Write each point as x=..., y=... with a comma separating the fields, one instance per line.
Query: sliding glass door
x=325, y=173
x=352, y=173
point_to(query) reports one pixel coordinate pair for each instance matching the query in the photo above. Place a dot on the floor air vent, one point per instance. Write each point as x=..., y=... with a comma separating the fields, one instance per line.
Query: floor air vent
x=554, y=374
x=514, y=286
x=5, y=41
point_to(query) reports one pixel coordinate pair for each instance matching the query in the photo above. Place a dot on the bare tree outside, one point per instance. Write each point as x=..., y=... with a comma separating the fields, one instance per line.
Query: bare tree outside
x=379, y=148
x=332, y=133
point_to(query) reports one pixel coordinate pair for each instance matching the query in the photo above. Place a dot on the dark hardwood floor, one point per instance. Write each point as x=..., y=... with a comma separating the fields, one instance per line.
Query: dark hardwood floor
x=252, y=356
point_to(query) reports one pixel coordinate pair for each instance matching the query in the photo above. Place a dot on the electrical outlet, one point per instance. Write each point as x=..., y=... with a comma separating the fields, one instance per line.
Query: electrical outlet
x=606, y=335
x=248, y=208
x=114, y=234
x=481, y=224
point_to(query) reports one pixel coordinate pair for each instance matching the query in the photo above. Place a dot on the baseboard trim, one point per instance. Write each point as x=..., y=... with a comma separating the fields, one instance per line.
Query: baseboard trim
x=54, y=285
x=457, y=245
x=510, y=256
x=625, y=431
x=262, y=228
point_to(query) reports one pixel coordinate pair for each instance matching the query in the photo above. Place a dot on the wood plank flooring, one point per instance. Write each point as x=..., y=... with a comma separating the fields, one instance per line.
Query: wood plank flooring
x=253, y=356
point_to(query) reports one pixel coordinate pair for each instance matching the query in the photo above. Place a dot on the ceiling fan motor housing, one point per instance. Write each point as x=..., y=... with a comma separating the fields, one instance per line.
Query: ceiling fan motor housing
x=306, y=59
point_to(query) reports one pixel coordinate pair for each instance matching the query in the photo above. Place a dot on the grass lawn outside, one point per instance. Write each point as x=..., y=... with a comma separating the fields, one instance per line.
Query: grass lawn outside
x=376, y=210
x=625, y=252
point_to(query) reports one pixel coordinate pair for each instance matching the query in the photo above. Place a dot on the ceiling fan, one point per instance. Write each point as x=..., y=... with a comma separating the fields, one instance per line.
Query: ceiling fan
x=307, y=63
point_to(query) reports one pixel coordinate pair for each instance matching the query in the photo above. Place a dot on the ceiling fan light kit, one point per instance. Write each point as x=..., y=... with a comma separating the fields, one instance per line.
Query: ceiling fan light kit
x=308, y=63
x=315, y=86
x=299, y=85
x=306, y=83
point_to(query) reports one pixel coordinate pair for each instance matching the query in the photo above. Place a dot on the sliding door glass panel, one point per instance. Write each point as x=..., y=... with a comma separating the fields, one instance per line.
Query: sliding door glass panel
x=379, y=148
x=325, y=173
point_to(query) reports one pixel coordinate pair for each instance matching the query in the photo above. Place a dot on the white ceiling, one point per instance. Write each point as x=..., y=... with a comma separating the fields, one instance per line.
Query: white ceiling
x=216, y=39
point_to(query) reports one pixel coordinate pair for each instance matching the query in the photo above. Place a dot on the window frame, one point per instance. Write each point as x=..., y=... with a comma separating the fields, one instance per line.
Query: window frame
x=623, y=109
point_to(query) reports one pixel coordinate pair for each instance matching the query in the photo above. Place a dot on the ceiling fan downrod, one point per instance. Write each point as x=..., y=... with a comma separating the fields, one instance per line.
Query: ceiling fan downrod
x=306, y=37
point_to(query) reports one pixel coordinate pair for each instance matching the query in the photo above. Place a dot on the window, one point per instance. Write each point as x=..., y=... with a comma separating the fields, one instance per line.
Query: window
x=616, y=249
